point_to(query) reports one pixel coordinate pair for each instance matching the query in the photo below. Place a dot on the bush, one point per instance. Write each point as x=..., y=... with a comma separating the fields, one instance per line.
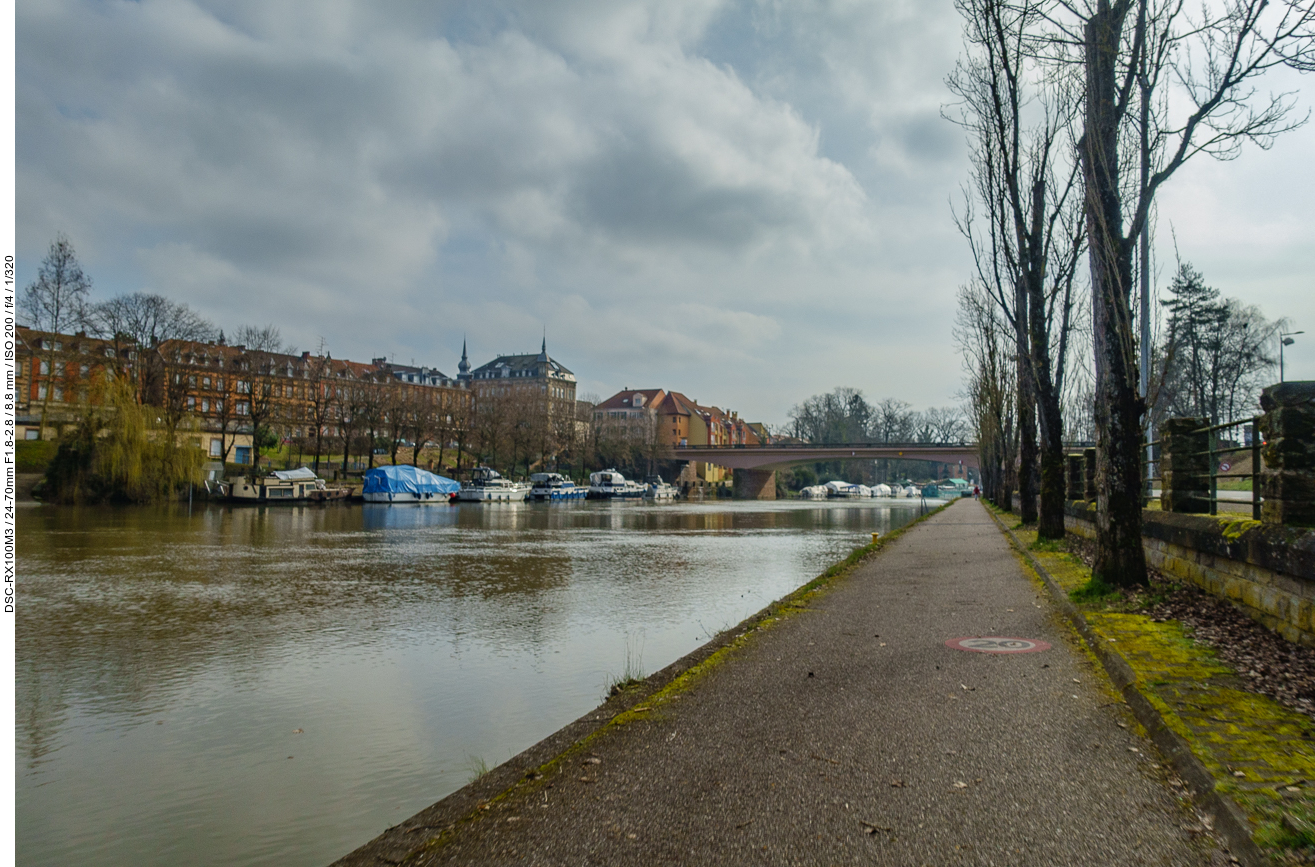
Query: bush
x=34, y=456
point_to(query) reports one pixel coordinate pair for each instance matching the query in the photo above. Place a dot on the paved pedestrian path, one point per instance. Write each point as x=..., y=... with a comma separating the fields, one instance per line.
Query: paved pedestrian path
x=849, y=733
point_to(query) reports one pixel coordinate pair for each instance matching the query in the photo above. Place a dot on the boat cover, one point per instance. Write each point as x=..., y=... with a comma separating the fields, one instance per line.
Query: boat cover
x=406, y=479
x=301, y=474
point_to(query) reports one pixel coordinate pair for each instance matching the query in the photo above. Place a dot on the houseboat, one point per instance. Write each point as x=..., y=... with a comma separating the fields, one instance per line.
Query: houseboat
x=486, y=485
x=406, y=484
x=281, y=486
x=656, y=489
x=553, y=487
x=611, y=485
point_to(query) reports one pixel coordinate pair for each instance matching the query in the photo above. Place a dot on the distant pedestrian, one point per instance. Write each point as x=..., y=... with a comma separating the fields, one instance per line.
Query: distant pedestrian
x=977, y=492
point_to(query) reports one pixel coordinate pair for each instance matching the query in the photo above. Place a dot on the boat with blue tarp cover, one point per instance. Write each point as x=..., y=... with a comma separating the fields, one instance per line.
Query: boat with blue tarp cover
x=406, y=484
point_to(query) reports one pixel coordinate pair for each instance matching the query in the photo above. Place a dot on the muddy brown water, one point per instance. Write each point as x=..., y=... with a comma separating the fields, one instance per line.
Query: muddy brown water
x=257, y=685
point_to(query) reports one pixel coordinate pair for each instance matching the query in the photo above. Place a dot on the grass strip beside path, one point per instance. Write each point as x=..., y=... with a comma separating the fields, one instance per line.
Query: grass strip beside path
x=1257, y=753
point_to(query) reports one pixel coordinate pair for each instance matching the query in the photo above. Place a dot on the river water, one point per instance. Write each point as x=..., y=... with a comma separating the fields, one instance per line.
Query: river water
x=238, y=686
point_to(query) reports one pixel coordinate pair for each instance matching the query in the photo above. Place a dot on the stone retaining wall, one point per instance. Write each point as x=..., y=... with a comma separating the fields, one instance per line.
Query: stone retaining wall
x=1267, y=570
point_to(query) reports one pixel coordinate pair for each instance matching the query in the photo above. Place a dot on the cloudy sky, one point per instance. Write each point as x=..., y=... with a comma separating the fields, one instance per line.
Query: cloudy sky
x=745, y=200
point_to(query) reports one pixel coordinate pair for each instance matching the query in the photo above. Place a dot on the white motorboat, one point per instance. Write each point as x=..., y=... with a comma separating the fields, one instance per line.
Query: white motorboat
x=813, y=492
x=611, y=485
x=656, y=489
x=881, y=491
x=554, y=487
x=486, y=485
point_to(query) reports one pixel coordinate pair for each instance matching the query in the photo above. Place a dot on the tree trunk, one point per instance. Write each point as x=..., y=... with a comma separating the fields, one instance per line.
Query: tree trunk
x=1026, y=408
x=1119, y=558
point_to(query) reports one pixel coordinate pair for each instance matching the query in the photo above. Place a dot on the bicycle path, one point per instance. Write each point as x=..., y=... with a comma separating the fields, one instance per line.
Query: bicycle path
x=849, y=733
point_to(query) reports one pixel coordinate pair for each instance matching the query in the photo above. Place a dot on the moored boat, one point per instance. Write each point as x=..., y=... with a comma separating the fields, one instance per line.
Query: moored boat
x=281, y=486
x=406, y=484
x=554, y=487
x=838, y=488
x=486, y=485
x=611, y=485
x=656, y=489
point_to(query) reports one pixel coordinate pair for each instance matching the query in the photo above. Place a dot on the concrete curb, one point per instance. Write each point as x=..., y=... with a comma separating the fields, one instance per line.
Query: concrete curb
x=402, y=842
x=1230, y=822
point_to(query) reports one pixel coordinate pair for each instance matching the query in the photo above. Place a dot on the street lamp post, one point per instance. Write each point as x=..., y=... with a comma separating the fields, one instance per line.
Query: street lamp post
x=1285, y=339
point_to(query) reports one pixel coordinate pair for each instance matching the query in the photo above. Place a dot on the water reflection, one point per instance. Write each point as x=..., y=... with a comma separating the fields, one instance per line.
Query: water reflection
x=166, y=658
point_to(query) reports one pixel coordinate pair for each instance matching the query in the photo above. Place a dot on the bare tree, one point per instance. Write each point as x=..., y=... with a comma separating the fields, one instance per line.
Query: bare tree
x=397, y=416
x=318, y=401
x=56, y=302
x=983, y=336
x=1212, y=62
x=263, y=338
x=147, y=320
x=1027, y=242
x=351, y=397
x=257, y=390
x=374, y=410
x=424, y=421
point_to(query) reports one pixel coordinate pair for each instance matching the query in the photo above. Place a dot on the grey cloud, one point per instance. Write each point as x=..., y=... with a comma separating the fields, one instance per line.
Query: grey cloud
x=737, y=197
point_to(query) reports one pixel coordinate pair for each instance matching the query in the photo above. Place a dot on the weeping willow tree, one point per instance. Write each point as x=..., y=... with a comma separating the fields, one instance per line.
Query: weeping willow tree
x=122, y=451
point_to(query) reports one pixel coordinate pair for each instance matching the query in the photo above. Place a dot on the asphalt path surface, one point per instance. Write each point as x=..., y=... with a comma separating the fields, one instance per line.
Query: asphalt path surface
x=850, y=734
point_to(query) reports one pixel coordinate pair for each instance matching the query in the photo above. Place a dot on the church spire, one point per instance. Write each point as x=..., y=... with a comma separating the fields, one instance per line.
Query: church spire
x=464, y=367
x=543, y=348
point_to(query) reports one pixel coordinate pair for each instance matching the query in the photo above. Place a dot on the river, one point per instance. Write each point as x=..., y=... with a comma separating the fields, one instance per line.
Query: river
x=249, y=685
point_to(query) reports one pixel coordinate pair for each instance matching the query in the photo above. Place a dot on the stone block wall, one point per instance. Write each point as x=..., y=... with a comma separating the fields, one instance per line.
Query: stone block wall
x=1267, y=570
x=1288, y=425
x=1184, y=466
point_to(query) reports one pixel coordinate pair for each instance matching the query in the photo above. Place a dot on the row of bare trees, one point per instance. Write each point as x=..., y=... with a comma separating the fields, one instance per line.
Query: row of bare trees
x=1078, y=112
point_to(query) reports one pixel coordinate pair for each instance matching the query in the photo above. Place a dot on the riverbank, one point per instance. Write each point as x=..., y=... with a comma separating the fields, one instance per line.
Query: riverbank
x=837, y=724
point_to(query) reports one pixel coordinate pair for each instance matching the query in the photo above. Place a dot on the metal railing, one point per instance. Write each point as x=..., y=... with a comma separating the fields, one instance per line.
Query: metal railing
x=1214, y=450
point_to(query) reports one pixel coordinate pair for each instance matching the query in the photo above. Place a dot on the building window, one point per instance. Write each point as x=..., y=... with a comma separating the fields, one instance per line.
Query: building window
x=219, y=406
x=191, y=404
x=243, y=387
x=58, y=346
x=45, y=368
x=205, y=382
x=191, y=382
x=216, y=448
x=83, y=370
x=59, y=392
x=109, y=352
x=244, y=407
x=32, y=434
x=205, y=404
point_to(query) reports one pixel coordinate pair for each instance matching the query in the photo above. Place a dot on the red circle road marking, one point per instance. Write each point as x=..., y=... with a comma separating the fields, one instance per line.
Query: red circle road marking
x=997, y=644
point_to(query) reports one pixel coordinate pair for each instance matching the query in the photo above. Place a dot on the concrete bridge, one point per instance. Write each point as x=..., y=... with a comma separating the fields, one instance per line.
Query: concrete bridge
x=755, y=466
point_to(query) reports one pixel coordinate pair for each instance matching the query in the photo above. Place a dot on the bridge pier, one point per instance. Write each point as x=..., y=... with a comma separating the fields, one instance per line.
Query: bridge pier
x=755, y=485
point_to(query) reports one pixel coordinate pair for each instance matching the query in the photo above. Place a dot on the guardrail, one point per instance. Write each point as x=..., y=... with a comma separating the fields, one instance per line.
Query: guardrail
x=1212, y=454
